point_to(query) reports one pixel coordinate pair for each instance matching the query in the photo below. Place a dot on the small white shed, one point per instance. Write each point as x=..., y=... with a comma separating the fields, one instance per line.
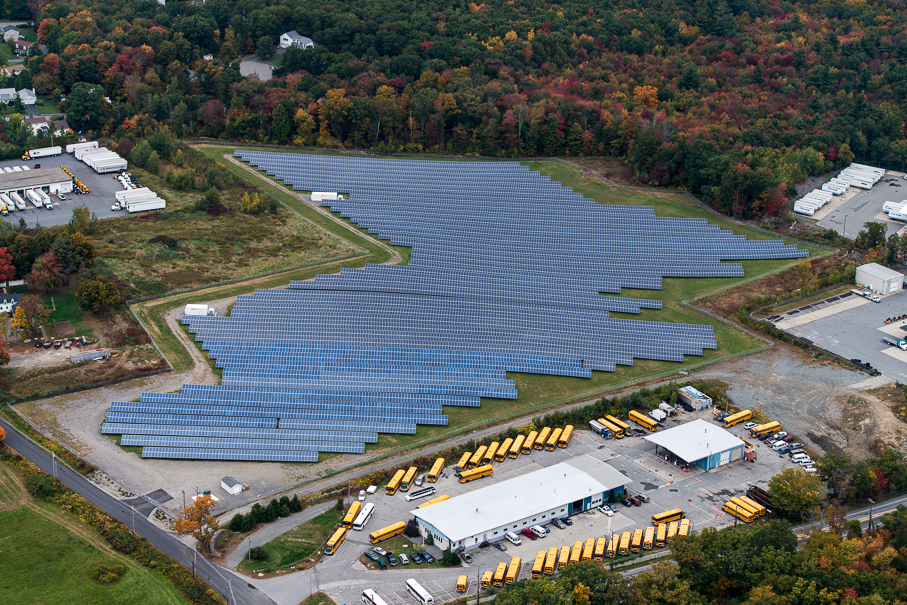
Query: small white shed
x=231, y=485
x=196, y=310
x=879, y=279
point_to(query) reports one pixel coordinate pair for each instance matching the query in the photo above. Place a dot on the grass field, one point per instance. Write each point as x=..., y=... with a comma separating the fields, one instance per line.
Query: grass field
x=297, y=544
x=67, y=309
x=47, y=555
x=319, y=598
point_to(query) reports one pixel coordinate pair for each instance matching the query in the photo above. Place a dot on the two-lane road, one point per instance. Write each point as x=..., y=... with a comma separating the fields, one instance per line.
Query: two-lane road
x=235, y=589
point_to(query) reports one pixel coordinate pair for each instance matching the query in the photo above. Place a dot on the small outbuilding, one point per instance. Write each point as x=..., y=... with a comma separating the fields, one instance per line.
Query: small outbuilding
x=231, y=485
x=697, y=442
x=879, y=279
x=694, y=398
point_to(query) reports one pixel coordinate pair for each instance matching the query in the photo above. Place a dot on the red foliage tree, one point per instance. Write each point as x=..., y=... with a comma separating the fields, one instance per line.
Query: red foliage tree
x=7, y=269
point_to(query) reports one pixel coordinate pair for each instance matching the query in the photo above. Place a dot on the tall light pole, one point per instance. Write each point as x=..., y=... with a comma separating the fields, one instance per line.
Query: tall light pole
x=845, y=226
x=871, y=502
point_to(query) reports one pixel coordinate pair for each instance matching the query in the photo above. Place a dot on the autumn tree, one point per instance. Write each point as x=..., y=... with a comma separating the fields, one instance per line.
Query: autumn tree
x=46, y=273
x=795, y=492
x=94, y=294
x=197, y=520
x=7, y=268
x=661, y=585
x=29, y=316
x=335, y=109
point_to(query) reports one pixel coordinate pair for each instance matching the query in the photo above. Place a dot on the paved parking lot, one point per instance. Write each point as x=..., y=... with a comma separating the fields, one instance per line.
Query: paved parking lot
x=853, y=328
x=102, y=188
x=700, y=494
x=862, y=206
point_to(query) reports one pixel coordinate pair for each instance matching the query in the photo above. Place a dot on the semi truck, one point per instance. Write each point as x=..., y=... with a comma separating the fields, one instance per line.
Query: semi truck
x=901, y=344
x=71, y=148
x=48, y=203
x=6, y=201
x=34, y=197
x=44, y=152
x=146, y=205
x=17, y=199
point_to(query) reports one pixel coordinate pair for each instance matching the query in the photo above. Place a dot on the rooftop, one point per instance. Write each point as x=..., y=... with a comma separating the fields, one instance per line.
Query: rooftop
x=695, y=440
x=497, y=505
x=297, y=36
x=229, y=481
x=33, y=178
x=877, y=270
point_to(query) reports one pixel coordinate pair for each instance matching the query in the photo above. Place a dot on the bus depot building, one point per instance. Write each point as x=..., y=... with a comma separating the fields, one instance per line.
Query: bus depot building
x=697, y=442
x=486, y=514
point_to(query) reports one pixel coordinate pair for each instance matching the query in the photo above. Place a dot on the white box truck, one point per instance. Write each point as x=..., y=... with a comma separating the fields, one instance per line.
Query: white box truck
x=145, y=205
x=72, y=147
x=48, y=203
x=44, y=152
x=7, y=201
x=196, y=310
x=17, y=199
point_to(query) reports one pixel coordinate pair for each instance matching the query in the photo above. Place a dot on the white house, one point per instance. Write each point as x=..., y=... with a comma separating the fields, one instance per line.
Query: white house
x=10, y=32
x=7, y=95
x=8, y=302
x=28, y=96
x=294, y=39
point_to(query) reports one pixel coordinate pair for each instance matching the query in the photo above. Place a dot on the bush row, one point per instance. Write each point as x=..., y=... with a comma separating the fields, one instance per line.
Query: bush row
x=265, y=514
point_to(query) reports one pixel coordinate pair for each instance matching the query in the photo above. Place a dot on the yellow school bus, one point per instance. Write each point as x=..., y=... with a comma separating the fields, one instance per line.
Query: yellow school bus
x=551, y=561
x=675, y=514
x=661, y=535
x=577, y=552
x=672, y=530
x=435, y=471
x=529, y=443
x=408, y=479
x=760, y=510
x=741, y=513
x=564, y=441
x=599, y=553
x=517, y=446
x=615, y=430
x=499, y=575
x=620, y=423
x=624, y=548
x=351, y=514
x=636, y=543
x=643, y=420
x=564, y=557
x=335, y=541
x=648, y=540
x=490, y=453
x=762, y=429
x=538, y=568
x=542, y=439
x=434, y=501
x=486, y=580
x=513, y=570
x=737, y=418
x=476, y=459
x=388, y=532
x=684, y=528
x=503, y=450
x=744, y=505
x=476, y=473
x=552, y=440
x=394, y=484
x=461, y=465
x=462, y=583
x=612, y=546
x=588, y=548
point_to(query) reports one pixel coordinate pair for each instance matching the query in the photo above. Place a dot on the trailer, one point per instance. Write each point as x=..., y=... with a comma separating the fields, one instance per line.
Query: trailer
x=860, y=176
x=657, y=415
x=89, y=355
x=901, y=344
x=667, y=409
x=898, y=215
x=895, y=206
x=840, y=182
x=34, y=197
x=71, y=148
x=81, y=153
x=48, y=203
x=17, y=199
x=806, y=210
x=833, y=189
x=128, y=193
x=104, y=166
x=44, y=152
x=319, y=196
x=825, y=195
x=812, y=198
x=6, y=201
x=145, y=205
x=865, y=168
x=599, y=428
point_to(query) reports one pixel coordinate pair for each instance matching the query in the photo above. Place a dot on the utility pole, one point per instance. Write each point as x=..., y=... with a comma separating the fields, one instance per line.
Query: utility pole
x=54, y=462
x=194, y=559
x=478, y=584
x=133, y=518
x=184, y=499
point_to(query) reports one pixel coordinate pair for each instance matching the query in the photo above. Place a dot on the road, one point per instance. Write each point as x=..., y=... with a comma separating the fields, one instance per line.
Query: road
x=234, y=588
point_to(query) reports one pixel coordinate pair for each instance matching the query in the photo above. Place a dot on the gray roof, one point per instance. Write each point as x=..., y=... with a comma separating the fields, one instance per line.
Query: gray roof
x=695, y=440
x=230, y=481
x=28, y=179
x=877, y=270
x=5, y=299
x=299, y=37
x=10, y=28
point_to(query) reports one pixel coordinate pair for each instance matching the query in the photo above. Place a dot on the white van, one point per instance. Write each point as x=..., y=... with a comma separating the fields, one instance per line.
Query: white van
x=778, y=445
x=807, y=462
x=798, y=457
x=541, y=531
x=513, y=538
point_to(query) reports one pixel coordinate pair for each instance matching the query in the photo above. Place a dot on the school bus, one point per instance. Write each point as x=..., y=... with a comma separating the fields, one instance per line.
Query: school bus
x=435, y=471
x=672, y=530
x=476, y=459
x=636, y=543
x=648, y=539
x=486, y=580
x=564, y=441
x=750, y=509
x=490, y=453
x=551, y=561
x=461, y=465
x=476, y=473
x=615, y=430
x=742, y=514
x=388, y=532
x=552, y=440
x=620, y=423
x=624, y=548
x=737, y=418
x=538, y=568
x=351, y=514
x=761, y=510
x=513, y=570
x=502, y=451
x=599, y=553
x=612, y=546
x=408, y=479
x=434, y=501
x=588, y=548
x=765, y=428
x=529, y=443
x=684, y=528
x=662, y=535
x=336, y=540
x=517, y=446
x=394, y=484
x=564, y=558
x=462, y=583
x=542, y=439
x=499, y=575
x=577, y=552
x=643, y=420
x=675, y=514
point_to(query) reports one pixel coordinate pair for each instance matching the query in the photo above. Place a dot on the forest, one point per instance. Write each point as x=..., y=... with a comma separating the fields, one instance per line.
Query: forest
x=735, y=100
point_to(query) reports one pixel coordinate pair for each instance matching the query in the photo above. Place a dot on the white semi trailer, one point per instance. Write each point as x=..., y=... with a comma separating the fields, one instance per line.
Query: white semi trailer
x=145, y=205
x=71, y=148
x=44, y=152
x=17, y=199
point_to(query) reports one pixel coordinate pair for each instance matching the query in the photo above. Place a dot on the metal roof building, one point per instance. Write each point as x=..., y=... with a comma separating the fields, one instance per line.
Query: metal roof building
x=698, y=442
x=54, y=179
x=879, y=279
x=486, y=514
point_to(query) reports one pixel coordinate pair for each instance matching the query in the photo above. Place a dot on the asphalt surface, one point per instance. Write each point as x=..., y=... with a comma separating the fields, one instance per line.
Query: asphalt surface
x=233, y=588
x=861, y=206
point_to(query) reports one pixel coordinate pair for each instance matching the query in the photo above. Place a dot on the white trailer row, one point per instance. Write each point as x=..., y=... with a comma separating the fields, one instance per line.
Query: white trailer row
x=101, y=159
x=145, y=205
x=833, y=189
x=75, y=146
x=812, y=201
x=127, y=194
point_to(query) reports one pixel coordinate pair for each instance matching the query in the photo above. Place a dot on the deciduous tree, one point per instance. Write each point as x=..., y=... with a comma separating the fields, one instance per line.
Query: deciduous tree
x=30, y=315
x=795, y=492
x=197, y=520
x=95, y=293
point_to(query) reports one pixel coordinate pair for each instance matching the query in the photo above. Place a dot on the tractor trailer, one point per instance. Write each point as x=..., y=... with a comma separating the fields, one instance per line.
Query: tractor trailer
x=17, y=199
x=130, y=193
x=145, y=205
x=901, y=344
x=34, y=197
x=44, y=152
x=74, y=146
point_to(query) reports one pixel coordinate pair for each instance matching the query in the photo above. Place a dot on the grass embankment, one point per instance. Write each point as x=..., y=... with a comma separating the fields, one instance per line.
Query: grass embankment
x=297, y=544
x=48, y=556
x=319, y=598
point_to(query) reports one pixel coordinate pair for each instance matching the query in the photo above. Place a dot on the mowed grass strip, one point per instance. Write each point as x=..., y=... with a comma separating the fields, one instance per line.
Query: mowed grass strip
x=298, y=544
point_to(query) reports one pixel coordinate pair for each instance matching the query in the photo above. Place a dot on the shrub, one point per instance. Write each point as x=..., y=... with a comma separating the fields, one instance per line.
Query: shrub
x=258, y=554
x=166, y=240
x=339, y=506
x=107, y=574
x=43, y=486
x=237, y=523
x=450, y=558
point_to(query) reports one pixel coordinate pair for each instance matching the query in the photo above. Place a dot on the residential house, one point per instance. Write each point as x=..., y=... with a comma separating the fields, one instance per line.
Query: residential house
x=8, y=302
x=46, y=124
x=8, y=95
x=28, y=96
x=22, y=47
x=10, y=32
x=293, y=38
x=11, y=70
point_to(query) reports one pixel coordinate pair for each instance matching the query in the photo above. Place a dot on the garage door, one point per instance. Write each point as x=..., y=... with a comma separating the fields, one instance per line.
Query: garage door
x=725, y=458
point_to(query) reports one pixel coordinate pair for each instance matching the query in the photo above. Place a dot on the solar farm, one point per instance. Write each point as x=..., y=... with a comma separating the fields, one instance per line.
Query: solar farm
x=510, y=272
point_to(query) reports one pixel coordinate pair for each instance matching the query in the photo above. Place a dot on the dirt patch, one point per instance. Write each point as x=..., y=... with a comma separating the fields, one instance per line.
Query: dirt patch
x=64, y=329
x=612, y=168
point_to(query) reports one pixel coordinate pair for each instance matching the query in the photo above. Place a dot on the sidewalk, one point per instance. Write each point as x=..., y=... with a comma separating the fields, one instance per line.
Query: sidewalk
x=273, y=530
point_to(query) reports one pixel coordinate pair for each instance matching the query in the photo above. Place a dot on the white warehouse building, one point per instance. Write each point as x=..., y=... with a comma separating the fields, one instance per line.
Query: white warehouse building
x=879, y=279
x=698, y=442
x=486, y=514
x=53, y=180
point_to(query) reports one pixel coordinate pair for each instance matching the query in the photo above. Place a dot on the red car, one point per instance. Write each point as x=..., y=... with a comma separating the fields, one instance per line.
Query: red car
x=529, y=534
x=635, y=501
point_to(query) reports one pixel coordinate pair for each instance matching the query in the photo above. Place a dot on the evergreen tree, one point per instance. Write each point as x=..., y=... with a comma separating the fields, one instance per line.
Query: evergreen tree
x=295, y=505
x=237, y=523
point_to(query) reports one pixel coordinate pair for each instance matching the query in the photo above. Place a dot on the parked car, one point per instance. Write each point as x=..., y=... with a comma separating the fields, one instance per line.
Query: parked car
x=371, y=555
x=642, y=497
x=606, y=511
x=626, y=503
x=420, y=480
x=794, y=451
x=371, y=489
x=404, y=559
x=529, y=534
x=500, y=546
x=784, y=449
x=380, y=551
x=566, y=521
x=62, y=197
x=415, y=557
x=428, y=558
x=381, y=563
x=795, y=445
x=750, y=425
x=37, y=166
x=558, y=524
x=392, y=559
x=116, y=207
x=466, y=557
x=635, y=501
x=780, y=434
x=361, y=495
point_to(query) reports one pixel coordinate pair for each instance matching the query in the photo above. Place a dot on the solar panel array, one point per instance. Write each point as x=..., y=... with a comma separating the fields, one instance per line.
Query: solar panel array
x=510, y=272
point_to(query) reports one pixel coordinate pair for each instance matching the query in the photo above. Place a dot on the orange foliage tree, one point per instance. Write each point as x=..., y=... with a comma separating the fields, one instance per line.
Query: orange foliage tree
x=196, y=520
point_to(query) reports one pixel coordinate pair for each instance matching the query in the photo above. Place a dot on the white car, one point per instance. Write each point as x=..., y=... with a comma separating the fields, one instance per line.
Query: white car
x=62, y=197
x=380, y=551
x=361, y=495
x=404, y=559
x=750, y=425
x=116, y=206
x=606, y=511
x=371, y=489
